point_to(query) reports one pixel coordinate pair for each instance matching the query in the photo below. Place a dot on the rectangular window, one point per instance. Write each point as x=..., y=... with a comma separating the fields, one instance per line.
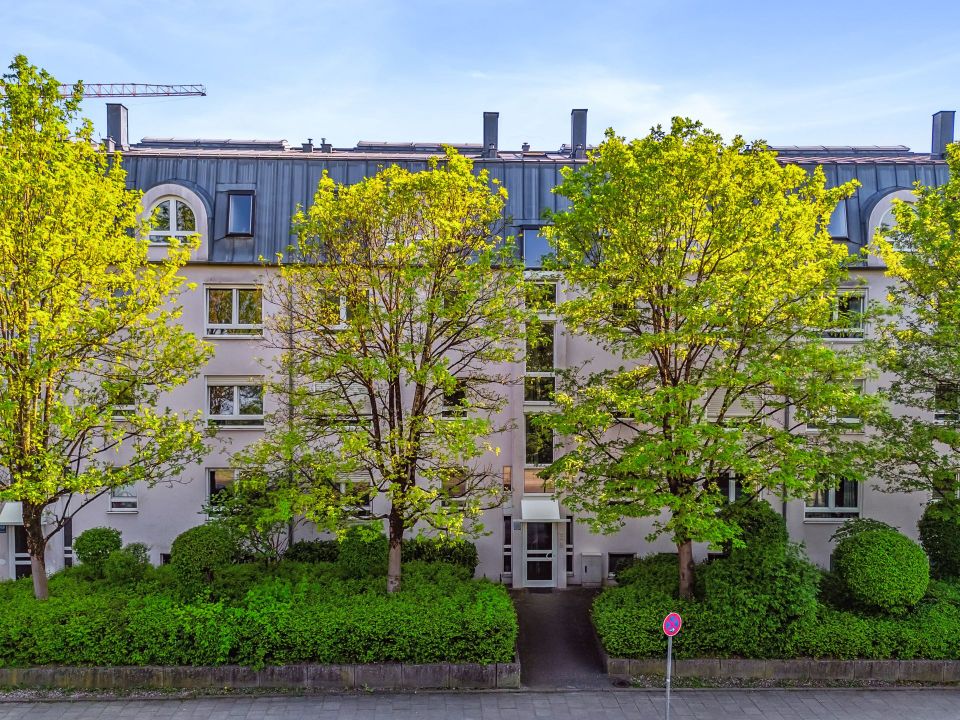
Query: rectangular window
x=538, y=454
x=455, y=487
x=847, y=315
x=124, y=500
x=234, y=311
x=508, y=478
x=540, y=379
x=68, y=542
x=569, y=544
x=943, y=489
x=946, y=403
x=453, y=403
x=240, y=213
x=731, y=487
x=534, y=248
x=234, y=403
x=123, y=398
x=507, y=544
x=847, y=420
x=218, y=480
x=840, y=501
x=356, y=486
x=342, y=404
x=617, y=562
x=542, y=296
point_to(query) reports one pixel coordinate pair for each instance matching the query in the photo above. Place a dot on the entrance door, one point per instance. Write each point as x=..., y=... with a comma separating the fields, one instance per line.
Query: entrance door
x=541, y=545
x=21, y=557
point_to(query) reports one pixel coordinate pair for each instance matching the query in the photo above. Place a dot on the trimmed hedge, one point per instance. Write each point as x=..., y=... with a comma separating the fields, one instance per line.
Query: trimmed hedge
x=196, y=554
x=93, y=547
x=427, y=549
x=313, y=551
x=304, y=616
x=882, y=569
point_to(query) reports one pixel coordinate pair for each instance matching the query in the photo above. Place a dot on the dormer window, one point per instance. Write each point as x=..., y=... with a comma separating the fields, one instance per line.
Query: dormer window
x=240, y=213
x=172, y=218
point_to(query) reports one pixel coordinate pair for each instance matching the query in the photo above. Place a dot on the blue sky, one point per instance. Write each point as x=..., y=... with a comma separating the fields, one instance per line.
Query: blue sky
x=824, y=73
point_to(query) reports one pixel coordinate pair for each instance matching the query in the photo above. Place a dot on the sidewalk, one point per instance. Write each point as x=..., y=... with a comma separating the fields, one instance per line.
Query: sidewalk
x=920, y=704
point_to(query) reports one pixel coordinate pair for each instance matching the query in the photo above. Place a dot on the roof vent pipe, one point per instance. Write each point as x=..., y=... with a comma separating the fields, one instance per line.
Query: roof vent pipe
x=308, y=146
x=942, y=133
x=578, y=133
x=117, y=125
x=325, y=147
x=491, y=122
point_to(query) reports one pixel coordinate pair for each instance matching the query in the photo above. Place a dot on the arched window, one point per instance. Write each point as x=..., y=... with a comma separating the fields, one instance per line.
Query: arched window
x=172, y=217
x=900, y=242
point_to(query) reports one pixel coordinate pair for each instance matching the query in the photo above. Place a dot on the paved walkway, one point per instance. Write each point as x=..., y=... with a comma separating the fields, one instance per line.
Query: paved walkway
x=557, y=645
x=919, y=704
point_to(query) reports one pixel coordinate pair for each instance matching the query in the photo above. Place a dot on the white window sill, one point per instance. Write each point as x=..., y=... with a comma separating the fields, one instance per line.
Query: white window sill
x=234, y=336
x=219, y=426
x=831, y=521
x=116, y=511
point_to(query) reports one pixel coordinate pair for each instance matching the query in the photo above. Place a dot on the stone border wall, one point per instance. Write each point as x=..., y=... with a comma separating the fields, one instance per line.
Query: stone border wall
x=380, y=676
x=926, y=671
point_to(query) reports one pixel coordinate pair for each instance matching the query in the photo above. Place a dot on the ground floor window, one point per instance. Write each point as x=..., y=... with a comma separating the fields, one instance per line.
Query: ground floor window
x=507, y=544
x=618, y=561
x=569, y=545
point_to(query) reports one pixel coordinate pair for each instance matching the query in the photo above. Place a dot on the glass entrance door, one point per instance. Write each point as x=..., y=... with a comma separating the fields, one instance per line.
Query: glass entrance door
x=541, y=540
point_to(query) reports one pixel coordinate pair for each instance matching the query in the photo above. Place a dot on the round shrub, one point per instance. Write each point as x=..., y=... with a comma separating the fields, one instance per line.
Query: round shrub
x=882, y=569
x=313, y=551
x=128, y=565
x=759, y=523
x=93, y=546
x=940, y=536
x=363, y=552
x=198, y=552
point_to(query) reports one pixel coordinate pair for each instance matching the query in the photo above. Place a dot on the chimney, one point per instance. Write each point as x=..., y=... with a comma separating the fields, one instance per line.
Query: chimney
x=578, y=133
x=307, y=147
x=490, y=121
x=117, y=125
x=942, y=133
x=325, y=147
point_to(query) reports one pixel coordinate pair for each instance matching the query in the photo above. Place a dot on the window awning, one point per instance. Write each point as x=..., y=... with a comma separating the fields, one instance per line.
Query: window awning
x=539, y=510
x=11, y=513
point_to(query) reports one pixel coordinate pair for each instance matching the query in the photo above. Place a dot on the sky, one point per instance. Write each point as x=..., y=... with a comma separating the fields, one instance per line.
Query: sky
x=791, y=73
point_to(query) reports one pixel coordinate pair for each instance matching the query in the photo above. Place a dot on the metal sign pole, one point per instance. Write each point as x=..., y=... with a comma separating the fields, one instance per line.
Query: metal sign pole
x=669, y=663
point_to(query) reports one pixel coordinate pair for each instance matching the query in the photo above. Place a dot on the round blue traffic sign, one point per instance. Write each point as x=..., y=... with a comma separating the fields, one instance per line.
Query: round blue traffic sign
x=671, y=624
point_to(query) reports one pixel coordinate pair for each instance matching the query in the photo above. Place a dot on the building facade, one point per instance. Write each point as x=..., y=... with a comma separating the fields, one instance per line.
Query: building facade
x=239, y=197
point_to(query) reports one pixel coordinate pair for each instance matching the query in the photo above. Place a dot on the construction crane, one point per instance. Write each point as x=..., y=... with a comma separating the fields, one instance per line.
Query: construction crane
x=108, y=90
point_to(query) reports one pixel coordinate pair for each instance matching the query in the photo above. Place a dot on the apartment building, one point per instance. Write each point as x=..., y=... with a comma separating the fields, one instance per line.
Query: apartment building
x=239, y=197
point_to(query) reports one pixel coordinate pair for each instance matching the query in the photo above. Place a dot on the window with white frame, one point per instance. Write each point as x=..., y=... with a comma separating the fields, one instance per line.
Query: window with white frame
x=946, y=403
x=240, y=213
x=901, y=242
x=731, y=487
x=122, y=398
x=124, y=500
x=172, y=218
x=944, y=489
x=568, y=545
x=847, y=315
x=846, y=420
x=507, y=544
x=234, y=311
x=342, y=403
x=357, y=488
x=541, y=295
x=540, y=377
x=455, y=486
x=218, y=480
x=538, y=453
x=454, y=402
x=234, y=402
x=837, y=499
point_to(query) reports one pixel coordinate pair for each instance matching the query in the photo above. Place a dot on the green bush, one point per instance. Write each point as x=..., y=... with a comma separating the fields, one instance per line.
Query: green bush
x=759, y=523
x=296, y=612
x=198, y=553
x=659, y=572
x=440, y=549
x=128, y=565
x=882, y=569
x=93, y=546
x=940, y=536
x=363, y=552
x=313, y=551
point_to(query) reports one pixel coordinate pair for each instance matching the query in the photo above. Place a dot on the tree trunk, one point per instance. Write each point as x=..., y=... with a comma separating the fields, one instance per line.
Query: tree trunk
x=393, y=559
x=685, y=553
x=36, y=546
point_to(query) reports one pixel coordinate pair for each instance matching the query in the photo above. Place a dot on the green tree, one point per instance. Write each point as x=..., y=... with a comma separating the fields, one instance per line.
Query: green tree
x=396, y=325
x=917, y=340
x=89, y=337
x=707, y=268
